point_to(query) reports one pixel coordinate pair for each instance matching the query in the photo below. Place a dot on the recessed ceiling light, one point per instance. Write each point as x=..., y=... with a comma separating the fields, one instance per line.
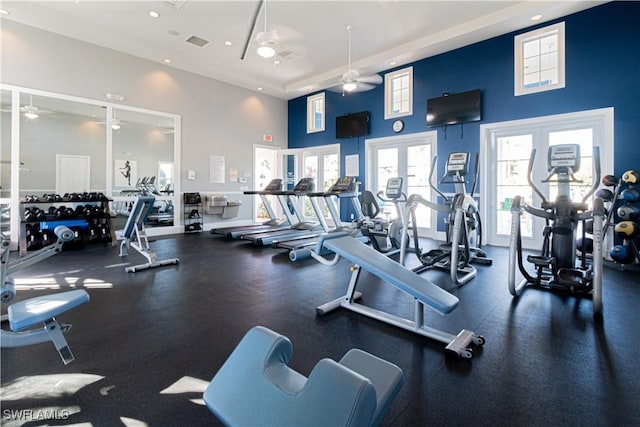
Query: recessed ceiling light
x=536, y=17
x=4, y=12
x=166, y=61
x=259, y=87
x=392, y=63
x=154, y=14
x=228, y=43
x=276, y=62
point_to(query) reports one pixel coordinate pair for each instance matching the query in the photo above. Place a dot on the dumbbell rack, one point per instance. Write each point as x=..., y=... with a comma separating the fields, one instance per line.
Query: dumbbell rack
x=192, y=211
x=85, y=215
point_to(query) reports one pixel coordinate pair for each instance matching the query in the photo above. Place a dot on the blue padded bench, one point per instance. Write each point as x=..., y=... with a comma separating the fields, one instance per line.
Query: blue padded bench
x=393, y=273
x=424, y=293
x=37, y=310
x=256, y=387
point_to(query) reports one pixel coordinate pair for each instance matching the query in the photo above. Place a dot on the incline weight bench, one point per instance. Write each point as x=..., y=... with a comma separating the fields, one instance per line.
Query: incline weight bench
x=39, y=310
x=255, y=387
x=423, y=292
x=134, y=236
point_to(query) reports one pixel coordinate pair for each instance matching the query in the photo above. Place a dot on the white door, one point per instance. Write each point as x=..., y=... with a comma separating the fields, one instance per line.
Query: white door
x=72, y=173
x=408, y=157
x=506, y=149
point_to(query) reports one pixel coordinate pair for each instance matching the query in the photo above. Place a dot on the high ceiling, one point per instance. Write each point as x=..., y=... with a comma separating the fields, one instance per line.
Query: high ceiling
x=311, y=36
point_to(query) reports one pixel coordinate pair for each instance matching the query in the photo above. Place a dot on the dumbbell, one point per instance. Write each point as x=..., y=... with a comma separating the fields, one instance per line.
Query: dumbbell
x=627, y=230
x=629, y=212
x=605, y=194
x=622, y=254
x=609, y=180
x=630, y=195
x=631, y=177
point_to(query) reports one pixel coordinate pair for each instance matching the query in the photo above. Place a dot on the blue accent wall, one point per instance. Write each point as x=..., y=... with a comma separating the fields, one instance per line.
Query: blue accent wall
x=602, y=47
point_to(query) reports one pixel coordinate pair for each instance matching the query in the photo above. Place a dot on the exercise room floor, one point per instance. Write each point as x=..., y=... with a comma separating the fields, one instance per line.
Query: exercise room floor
x=147, y=343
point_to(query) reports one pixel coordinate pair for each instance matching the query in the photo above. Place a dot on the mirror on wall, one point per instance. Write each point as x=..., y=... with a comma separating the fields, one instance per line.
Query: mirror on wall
x=62, y=146
x=5, y=161
x=142, y=152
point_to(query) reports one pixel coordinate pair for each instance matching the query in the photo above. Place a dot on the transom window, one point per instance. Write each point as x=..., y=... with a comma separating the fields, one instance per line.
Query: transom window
x=539, y=60
x=315, y=113
x=398, y=93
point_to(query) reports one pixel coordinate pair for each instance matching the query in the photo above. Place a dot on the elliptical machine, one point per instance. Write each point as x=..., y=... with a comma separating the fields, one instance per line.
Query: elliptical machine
x=555, y=266
x=463, y=224
x=385, y=236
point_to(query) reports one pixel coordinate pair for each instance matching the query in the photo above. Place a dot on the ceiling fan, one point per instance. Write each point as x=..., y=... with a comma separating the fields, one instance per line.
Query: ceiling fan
x=30, y=111
x=279, y=42
x=351, y=80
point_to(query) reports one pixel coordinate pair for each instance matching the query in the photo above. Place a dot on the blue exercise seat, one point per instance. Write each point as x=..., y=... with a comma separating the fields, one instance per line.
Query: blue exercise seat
x=255, y=387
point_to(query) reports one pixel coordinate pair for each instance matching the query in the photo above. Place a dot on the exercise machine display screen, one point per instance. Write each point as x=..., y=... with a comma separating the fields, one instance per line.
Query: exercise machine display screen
x=457, y=163
x=564, y=156
x=344, y=184
x=394, y=188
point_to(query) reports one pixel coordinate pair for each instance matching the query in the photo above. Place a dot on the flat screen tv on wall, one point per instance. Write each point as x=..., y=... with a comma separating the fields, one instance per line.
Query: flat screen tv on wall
x=354, y=124
x=455, y=108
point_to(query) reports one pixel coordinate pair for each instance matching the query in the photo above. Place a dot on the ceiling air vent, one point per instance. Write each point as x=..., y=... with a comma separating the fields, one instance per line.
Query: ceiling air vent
x=197, y=41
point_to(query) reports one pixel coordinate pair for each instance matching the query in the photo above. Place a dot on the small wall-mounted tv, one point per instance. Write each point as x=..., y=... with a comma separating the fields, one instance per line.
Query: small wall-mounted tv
x=454, y=108
x=354, y=124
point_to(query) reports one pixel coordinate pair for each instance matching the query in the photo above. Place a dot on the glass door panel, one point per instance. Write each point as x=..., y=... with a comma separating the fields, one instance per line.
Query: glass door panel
x=512, y=163
x=417, y=181
x=264, y=171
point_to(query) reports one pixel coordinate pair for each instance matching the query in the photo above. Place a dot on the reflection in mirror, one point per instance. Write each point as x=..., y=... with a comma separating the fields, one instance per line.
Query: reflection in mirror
x=143, y=147
x=5, y=162
x=61, y=145
x=5, y=145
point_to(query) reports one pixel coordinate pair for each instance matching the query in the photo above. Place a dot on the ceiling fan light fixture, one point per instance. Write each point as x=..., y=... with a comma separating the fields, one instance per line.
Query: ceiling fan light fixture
x=31, y=115
x=266, y=44
x=266, y=51
x=349, y=86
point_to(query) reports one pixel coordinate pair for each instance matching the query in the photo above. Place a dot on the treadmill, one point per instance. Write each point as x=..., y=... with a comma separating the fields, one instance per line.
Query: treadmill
x=345, y=187
x=274, y=223
x=300, y=229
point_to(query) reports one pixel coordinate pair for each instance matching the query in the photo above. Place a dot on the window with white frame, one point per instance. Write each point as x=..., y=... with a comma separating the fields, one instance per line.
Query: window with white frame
x=539, y=60
x=315, y=113
x=398, y=93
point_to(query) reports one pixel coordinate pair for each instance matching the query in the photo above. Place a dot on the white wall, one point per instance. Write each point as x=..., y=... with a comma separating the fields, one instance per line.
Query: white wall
x=217, y=118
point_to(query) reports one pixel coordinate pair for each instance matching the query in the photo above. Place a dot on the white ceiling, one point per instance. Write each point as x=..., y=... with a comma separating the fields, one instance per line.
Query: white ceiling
x=312, y=34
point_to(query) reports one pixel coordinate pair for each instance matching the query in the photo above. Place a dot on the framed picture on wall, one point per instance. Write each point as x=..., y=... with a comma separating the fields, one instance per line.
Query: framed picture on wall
x=126, y=173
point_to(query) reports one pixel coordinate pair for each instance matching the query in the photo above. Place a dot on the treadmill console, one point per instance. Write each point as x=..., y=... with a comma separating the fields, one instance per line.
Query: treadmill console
x=305, y=185
x=457, y=164
x=394, y=188
x=344, y=184
x=274, y=185
x=563, y=157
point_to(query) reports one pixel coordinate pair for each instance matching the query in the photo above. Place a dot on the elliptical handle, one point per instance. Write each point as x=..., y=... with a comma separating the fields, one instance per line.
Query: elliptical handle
x=433, y=185
x=475, y=174
x=597, y=172
x=529, y=173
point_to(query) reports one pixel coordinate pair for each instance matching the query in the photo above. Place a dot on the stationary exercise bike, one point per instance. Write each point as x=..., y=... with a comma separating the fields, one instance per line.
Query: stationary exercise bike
x=384, y=235
x=24, y=315
x=463, y=224
x=556, y=266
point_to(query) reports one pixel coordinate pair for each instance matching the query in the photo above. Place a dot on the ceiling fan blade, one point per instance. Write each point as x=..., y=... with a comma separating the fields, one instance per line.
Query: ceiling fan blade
x=363, y=87
x=337, y=88
x=252, y=29
x=375, y=79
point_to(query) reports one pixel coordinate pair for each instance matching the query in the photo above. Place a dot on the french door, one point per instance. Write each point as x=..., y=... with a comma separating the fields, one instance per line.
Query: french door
x=320, y=163
x=408, y=157
x=506, y=149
